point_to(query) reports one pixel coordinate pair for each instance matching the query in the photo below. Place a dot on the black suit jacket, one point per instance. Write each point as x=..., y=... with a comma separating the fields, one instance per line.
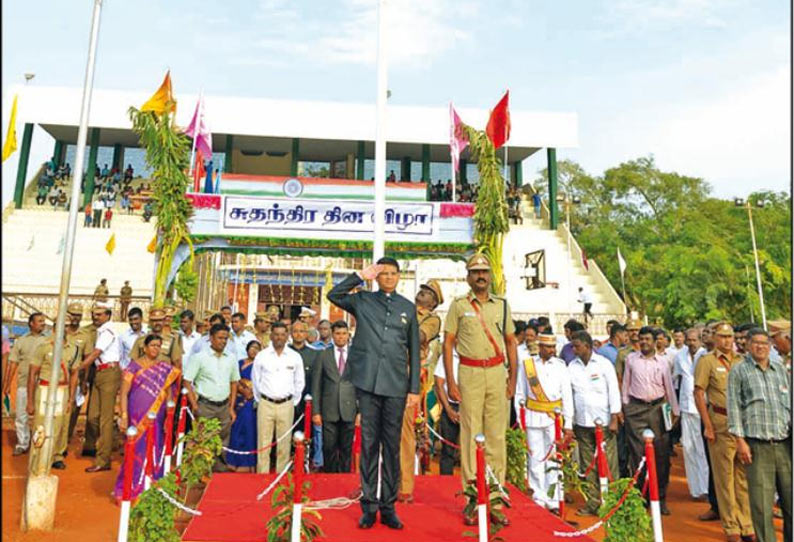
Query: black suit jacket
x=333, y=394
x=384, y=355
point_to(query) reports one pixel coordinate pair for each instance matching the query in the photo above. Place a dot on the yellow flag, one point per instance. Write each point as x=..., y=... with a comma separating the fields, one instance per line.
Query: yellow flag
x=152, y=245
x=111, y=246
x=162, y=100
x=11, y=136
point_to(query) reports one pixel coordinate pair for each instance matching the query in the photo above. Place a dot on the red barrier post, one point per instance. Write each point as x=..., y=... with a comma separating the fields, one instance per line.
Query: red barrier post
x=180, y=428
x=482, y=489
x=150, y=461
x=523, y=414
x=601, y=460
x=169, y=435
x=126, y=494
x=653, y=485
x=307, y=417
x=356, y=447
x=560, y=477
x=297, y=496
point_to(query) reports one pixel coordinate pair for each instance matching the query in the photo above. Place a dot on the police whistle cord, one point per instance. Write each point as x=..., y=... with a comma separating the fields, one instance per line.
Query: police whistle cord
x=442, y=439
x=600, y=522
x=287, y=433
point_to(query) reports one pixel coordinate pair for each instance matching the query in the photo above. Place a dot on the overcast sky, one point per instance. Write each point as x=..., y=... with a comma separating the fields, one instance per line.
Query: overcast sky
x=703, y=85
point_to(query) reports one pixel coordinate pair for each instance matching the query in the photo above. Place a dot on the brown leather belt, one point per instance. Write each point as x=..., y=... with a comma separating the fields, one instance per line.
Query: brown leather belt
x=719, y=410
x=484, y=363
x=276, y=401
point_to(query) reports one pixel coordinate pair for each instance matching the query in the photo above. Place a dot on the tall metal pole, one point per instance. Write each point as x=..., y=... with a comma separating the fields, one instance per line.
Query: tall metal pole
x=379, y=242
x=71, y=230
x=570, y=264
x=757, y=267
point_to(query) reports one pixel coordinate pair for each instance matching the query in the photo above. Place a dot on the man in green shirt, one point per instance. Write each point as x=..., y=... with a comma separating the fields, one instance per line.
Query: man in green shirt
x=759, y=417
x=211, y=379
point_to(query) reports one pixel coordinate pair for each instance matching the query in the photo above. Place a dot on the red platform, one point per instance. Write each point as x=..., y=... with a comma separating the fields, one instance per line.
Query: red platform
x=232, y=513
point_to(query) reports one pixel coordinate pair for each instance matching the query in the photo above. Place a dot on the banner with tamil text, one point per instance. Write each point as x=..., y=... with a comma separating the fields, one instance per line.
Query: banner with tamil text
x=326, y=219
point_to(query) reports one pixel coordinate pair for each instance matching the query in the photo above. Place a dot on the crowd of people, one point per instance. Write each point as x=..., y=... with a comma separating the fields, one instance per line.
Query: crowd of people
x=722, y=390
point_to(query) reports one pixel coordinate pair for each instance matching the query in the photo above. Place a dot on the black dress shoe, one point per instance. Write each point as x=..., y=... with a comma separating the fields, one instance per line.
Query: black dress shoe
x=367, y=520
x=391, y=521
x=663, y=509
x=60, y=465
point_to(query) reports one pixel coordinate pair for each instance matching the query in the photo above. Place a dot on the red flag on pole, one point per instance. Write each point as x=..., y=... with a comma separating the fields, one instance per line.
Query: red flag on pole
x=498, y=128
x=585, y=263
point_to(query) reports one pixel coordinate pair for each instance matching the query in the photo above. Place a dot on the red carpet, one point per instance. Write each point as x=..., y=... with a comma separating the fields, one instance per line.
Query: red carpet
x=232, y=513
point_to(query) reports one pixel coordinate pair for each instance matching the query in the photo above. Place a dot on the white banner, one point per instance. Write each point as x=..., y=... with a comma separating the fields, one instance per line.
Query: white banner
x=278, y=216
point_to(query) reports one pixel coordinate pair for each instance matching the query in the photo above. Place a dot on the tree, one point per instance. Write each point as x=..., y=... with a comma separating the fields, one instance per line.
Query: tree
x=689, y=255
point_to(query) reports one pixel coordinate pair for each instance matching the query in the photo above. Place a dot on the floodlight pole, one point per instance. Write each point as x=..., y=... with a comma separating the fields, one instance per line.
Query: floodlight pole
x=378, y=245
x=43, y=467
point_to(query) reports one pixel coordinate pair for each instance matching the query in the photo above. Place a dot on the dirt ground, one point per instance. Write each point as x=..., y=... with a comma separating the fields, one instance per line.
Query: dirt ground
x=86, y=512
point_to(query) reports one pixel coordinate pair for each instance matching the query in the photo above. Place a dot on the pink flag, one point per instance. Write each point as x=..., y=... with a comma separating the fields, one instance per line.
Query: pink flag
x=457, y=137
x=197, y=129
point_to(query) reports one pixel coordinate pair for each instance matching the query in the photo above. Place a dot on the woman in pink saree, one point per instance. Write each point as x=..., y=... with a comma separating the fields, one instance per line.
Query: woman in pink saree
x=146, y=386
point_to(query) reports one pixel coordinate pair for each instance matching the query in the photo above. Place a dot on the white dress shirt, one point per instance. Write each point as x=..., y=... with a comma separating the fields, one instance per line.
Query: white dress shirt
x=278, y=376
x=108, y=342
x=441, y=372
x=187, y=345
x=596, y=394
x=556, y=384
x=685, y=368
x=128, y=339
x=241, y=341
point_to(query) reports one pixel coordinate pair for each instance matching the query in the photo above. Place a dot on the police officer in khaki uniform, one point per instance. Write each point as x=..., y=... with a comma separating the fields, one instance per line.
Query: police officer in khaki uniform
x=427, y=299
x=125, y=298
x=633, y=327
x=480, y=327
x=171, y=351
x=262, y=328
x=38, y=388
x=82, y=338
x=730, y=482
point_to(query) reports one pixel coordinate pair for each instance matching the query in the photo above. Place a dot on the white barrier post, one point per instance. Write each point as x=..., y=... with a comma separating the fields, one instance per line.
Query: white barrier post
x=297, y=496
x=482, y=489
x=653, y=486
x=126, y=495
x=180, y=432
x=169, y=436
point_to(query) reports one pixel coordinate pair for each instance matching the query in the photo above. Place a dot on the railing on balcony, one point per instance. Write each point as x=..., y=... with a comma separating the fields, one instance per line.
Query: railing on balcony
x=18, y=306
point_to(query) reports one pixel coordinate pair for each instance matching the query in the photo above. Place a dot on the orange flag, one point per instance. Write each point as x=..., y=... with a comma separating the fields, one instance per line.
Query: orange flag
x=163, y=100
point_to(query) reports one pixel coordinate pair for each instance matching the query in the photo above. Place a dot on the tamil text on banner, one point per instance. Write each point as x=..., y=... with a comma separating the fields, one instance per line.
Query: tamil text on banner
x=324, y=219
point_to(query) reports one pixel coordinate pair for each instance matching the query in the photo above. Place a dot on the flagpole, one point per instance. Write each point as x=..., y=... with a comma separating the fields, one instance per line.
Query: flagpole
x=454, y=179
x=623, y=286
x=37, y=488
x=379, y=241
x=193, y=148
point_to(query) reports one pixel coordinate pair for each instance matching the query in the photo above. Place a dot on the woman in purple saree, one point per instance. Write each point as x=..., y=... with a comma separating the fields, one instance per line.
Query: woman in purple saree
x=146, y=386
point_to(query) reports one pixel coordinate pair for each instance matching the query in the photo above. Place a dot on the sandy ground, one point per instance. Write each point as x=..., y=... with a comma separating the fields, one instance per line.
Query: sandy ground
x=86, y=512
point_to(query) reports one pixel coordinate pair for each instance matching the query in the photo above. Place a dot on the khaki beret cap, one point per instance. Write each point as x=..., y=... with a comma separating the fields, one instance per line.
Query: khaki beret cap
x=478, y=262
x=434, y=287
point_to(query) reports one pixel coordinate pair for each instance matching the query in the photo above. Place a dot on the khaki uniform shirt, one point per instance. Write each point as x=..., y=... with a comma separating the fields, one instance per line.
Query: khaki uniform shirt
x=264, y=339
x=711, y=376
x=88, y=333
x=463, y=322
x=126, y=293
x=101, y=293
x=620, y=361
x=430, y=326
x=79, y=339
x=43, y=358
x=170, y=352
x=22, y=353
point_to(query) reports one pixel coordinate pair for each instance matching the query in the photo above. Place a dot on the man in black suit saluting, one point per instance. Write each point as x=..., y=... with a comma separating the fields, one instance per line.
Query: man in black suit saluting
x=335, y=401
x=384, y=367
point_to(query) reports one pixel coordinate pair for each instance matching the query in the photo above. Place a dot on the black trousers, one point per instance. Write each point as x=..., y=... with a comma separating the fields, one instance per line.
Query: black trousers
x=381, y=424
x=337, y=445
x=638, y=418
x=712, y=491
x=450, y=431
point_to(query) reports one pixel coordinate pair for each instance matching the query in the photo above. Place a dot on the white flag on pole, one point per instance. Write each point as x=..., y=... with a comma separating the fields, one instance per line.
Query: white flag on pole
x=621, y=263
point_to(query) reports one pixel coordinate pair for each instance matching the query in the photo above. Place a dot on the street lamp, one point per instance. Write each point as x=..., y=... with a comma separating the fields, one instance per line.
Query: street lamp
x=567, y=201
x=741, y=202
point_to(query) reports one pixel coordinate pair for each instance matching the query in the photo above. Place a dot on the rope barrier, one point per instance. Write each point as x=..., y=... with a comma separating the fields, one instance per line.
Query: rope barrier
x=178, y=504
x=267, y=447
x=589, y=467
x=545, y=457
x=600, y=522
x=275, y=482
x=337, y=503
x=143, y=472
x=442, y=439
x=489, y=471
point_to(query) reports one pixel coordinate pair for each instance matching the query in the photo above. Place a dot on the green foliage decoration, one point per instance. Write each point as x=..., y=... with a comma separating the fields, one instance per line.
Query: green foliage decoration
x=490, y=215
x=203, y=445
x=152, y=517
x=516, y=471
x=186, y=283
x=167, y=154
x=631, y=522
x=497, y=501
x=280, y=524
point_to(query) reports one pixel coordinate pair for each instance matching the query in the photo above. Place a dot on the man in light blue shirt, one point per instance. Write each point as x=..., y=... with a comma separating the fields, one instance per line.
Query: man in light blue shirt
x=618, y=336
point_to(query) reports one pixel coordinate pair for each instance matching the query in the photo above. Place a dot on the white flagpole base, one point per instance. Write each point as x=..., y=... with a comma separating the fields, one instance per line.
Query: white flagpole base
x=179, y=448
x=482, y=522
x=604, y=483
x=147, y=483
x=656, y=516
x=416, y=465
x=124, y=521
x=167, y=465
x=295, y=533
